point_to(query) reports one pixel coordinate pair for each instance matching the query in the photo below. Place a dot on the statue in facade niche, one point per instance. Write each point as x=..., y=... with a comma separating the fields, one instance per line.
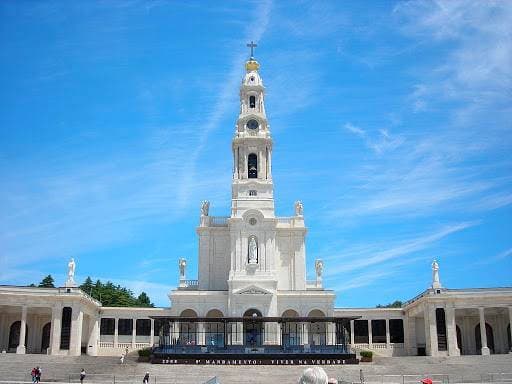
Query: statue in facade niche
x=205, y=207
x=182, y=264
x=299, y=208
x=435, y=275
x=253, y=250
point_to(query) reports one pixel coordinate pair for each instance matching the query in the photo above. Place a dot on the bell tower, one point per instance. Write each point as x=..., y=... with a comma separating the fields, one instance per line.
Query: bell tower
x=252, y=186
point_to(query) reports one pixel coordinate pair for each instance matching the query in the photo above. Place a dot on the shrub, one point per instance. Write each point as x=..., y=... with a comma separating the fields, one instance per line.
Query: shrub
x=144, y=352
x=367, y=354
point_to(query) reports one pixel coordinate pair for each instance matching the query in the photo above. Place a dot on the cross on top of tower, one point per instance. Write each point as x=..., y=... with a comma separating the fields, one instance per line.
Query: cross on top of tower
x=252, y=45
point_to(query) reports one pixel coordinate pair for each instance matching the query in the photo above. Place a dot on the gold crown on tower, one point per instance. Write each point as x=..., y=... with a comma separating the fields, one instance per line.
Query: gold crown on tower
x=252, y=65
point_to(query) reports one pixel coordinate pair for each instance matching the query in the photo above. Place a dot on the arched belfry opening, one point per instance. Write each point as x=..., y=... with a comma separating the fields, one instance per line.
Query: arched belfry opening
x=252, y=165
x=252, y=101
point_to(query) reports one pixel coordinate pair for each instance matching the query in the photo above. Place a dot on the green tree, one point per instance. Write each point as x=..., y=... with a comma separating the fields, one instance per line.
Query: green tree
x=111, y=295
x=144, y=301
x=394, y=304
x=47, y=282
x=87, y=286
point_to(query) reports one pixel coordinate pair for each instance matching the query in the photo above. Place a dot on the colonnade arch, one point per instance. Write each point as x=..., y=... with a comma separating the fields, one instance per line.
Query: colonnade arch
x=215, y=331
x=253, y=331
x=317, y=331
x=188, y=331
x=292, y=332
x=14, y=335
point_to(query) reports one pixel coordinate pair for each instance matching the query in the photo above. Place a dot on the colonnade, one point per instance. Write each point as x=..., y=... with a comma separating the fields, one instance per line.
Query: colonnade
x=64, y=339
x=435, y=336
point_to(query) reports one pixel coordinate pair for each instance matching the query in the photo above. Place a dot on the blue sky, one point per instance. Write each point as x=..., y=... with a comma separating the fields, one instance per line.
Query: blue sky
x=391, y=122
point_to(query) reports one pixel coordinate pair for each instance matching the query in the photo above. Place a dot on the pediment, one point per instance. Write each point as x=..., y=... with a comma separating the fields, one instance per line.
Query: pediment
x=253, y=290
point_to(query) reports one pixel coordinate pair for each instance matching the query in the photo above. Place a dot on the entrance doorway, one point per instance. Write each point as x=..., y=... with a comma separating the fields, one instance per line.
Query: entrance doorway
x=253, y=329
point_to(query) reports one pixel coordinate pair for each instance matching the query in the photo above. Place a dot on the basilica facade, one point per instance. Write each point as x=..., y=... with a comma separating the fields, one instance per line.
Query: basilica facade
x=251, y=290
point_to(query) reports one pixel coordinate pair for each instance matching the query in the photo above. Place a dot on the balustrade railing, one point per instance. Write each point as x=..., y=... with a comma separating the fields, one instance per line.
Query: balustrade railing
x=219, y=221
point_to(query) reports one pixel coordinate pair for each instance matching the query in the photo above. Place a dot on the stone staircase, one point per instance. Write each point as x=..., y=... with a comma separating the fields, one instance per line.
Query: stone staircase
x=108, y=370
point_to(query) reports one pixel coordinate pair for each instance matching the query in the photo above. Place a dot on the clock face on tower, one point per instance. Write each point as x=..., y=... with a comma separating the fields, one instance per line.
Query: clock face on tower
x=253, y=124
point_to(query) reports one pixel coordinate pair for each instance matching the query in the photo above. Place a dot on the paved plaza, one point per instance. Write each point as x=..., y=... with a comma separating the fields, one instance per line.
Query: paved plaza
x=465, y=369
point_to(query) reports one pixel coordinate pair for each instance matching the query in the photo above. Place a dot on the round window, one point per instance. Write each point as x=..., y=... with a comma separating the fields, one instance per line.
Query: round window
x=253, y=124
x=252, y=221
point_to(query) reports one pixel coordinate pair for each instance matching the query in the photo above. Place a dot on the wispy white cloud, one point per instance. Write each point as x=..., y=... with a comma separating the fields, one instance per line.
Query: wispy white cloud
x=358, y=258
x=381, y=142
x=495, y=258
x=477, y=69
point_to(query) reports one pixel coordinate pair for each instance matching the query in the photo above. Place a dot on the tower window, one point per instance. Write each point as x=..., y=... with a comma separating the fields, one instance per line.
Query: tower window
x=252, y=163
x=253, y=192
x=252, y=101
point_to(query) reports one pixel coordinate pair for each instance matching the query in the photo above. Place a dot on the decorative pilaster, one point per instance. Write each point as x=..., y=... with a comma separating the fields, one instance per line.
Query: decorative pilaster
x=483, y=334
x=94, y=336
x=21, y=349
x=410, y=346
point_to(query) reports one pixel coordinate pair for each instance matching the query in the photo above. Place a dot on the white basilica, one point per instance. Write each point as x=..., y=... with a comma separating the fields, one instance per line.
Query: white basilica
x=252, y=290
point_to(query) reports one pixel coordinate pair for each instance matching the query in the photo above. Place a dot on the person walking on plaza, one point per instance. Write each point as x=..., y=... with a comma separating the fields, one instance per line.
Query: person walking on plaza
x=33, y=374
x=122, y=359
x=82, y=376
x=38, y=374
x=146, y=378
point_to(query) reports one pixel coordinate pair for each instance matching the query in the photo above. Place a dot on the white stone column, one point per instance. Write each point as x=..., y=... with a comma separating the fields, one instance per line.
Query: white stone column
x=388, y=336
x=351, y=333
x=305, y=333
x=23, y=327
x=134, y=333
x=432, y=325
x=483, y=334
x=94, y=336
x=75, y=343
x=331, y=333
x=370, y=336
x=239, y=327
x=55, y=329
x=451, y=331
x=152, y=335
x=116, y=332
x=200, y=333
